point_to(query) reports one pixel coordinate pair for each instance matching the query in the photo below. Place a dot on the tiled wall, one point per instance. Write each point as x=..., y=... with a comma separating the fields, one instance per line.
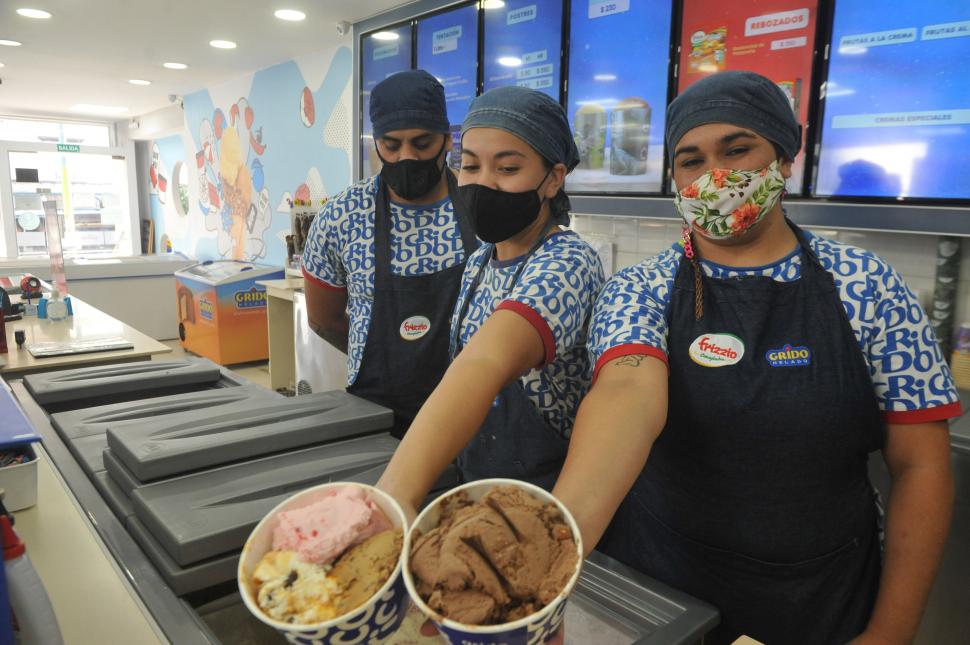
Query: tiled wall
x=914, y=256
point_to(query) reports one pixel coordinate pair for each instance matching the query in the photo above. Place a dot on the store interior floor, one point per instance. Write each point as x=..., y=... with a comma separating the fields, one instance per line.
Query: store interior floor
x=257, y=372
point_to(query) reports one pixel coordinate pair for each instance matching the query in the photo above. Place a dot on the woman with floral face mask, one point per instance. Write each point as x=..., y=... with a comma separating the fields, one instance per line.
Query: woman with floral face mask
x=506, y=405
x=757, y=366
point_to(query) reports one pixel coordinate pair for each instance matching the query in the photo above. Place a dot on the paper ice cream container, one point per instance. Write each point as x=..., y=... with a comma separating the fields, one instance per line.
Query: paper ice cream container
x=533, y=629
x=373, y=622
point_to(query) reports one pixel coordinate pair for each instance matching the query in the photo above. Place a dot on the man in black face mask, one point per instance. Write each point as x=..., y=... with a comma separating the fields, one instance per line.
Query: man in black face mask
x=384, y=258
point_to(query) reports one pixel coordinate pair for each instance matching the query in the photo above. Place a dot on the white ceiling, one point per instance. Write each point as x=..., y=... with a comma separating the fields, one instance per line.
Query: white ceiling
x=89, y=49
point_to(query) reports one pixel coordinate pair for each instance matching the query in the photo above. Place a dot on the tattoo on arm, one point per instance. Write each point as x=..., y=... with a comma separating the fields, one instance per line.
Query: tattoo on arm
x=630, y=361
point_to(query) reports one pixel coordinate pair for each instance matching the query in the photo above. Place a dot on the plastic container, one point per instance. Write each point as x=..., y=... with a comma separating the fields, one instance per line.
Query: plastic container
x=539, y=627
x=20, y=481
x=372, y=623
x=35, y=618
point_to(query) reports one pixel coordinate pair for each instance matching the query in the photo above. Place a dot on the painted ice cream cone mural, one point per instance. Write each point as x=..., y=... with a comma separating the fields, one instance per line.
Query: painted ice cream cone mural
x=248, y=159
x=232, y=196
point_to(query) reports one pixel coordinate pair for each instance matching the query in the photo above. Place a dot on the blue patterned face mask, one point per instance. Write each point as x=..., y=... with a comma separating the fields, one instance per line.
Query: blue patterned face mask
x=498, y=215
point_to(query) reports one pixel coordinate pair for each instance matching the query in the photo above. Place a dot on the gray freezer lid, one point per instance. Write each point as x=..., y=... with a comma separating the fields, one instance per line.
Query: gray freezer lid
x=119, y=473
x=183, y=580
x=212, y=512
x=611, y=605
x=116, y=499
x=104, y=380
x=616, y=605
x=87, y=451
x=90, y=421
x=195, y=440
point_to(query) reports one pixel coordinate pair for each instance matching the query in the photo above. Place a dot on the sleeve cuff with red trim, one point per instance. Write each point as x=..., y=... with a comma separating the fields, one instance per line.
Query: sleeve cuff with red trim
x=320, y=283
x=927, y=415
x=537, y=321
x=631, y=349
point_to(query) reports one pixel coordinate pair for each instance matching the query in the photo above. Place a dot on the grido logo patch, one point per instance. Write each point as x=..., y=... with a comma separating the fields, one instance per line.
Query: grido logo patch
x=716, y=350
x=789, y=356
x=415, y=327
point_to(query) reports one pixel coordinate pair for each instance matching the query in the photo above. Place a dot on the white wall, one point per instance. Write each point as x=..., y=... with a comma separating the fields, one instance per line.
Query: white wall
x=914, y=256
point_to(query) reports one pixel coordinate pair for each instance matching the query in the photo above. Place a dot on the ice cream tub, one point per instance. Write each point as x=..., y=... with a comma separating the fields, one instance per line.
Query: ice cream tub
x=372, y=622
x=540, y=626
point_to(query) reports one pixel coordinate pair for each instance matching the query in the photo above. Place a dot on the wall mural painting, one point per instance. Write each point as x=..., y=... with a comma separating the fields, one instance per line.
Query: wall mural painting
x=232, y=196
x=241, y=162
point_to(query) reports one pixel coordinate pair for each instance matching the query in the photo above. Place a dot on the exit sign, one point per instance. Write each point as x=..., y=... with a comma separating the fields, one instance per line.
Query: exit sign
x=68, y=147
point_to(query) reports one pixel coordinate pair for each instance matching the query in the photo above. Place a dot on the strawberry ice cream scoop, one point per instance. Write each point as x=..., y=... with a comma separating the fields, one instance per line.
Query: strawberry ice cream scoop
x=320, y=532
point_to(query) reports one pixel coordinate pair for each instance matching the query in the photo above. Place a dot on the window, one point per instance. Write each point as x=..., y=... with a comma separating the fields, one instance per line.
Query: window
x=75, y=166
x=26, y=131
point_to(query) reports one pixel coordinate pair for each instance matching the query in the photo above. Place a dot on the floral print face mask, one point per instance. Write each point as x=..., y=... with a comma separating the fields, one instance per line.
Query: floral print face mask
x=727, y=203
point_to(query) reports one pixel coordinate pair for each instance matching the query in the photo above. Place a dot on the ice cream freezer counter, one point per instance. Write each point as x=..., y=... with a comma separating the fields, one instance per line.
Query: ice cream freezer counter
x=175, y=462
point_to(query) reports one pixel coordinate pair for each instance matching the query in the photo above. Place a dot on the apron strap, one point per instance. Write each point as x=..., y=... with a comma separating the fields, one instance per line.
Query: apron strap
x=382, y=236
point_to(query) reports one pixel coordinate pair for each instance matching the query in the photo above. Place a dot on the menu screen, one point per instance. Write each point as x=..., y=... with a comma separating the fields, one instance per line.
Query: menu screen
x=523, y=40
x=382, y=53
x=618, y=68
x=896, y=118
x=448, y=50
x=775, y=38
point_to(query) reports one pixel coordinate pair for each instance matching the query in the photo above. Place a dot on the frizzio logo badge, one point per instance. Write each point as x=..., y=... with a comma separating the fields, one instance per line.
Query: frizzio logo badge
x=789, y=356
x=415, y=327
x=716, y=350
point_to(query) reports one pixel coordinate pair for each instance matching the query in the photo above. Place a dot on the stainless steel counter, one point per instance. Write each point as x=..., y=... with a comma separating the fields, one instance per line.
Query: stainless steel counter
x=611, y=602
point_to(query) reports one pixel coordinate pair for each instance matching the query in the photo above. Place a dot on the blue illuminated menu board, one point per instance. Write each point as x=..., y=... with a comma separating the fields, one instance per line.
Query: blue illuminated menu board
x=618, y=69
x=523, y=40
x=896, y=118
x=448, y=50
x=383, y=53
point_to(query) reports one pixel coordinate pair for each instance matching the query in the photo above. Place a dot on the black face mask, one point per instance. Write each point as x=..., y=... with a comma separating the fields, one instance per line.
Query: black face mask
x=497, y=215
x=412, y=178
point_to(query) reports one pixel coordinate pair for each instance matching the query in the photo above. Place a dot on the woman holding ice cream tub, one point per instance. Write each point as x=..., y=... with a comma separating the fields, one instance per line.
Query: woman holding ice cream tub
x=520, y=367
x=757, y=365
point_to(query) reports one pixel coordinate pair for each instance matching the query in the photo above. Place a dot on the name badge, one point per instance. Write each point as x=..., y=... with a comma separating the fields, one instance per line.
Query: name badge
x=716, y=350
x=415, y=327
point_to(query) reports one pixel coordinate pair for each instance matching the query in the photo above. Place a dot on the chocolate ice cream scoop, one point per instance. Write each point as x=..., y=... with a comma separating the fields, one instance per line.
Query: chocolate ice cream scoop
x=496, y=560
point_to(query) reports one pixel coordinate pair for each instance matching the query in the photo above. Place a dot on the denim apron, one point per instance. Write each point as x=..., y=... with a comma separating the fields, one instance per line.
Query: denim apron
x=514, y=441
x=406, y=352
x=755, y=497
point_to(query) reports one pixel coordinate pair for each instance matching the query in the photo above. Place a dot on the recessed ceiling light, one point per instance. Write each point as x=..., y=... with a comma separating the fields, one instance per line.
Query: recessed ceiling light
x=139, y=81
x=1, y=64
x=385, y=35
x=509, y=61
x=174, y=65
x=493, y=4
x=604, y=77
x=91, y=108
x=290, y=14
x=10, y=43
x=222, y=44
x=34, y=13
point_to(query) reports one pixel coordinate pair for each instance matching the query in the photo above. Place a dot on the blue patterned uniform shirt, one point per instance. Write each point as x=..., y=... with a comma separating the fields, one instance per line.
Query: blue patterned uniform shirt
x=555, y=293
x=911, y=379
x=340, y=251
